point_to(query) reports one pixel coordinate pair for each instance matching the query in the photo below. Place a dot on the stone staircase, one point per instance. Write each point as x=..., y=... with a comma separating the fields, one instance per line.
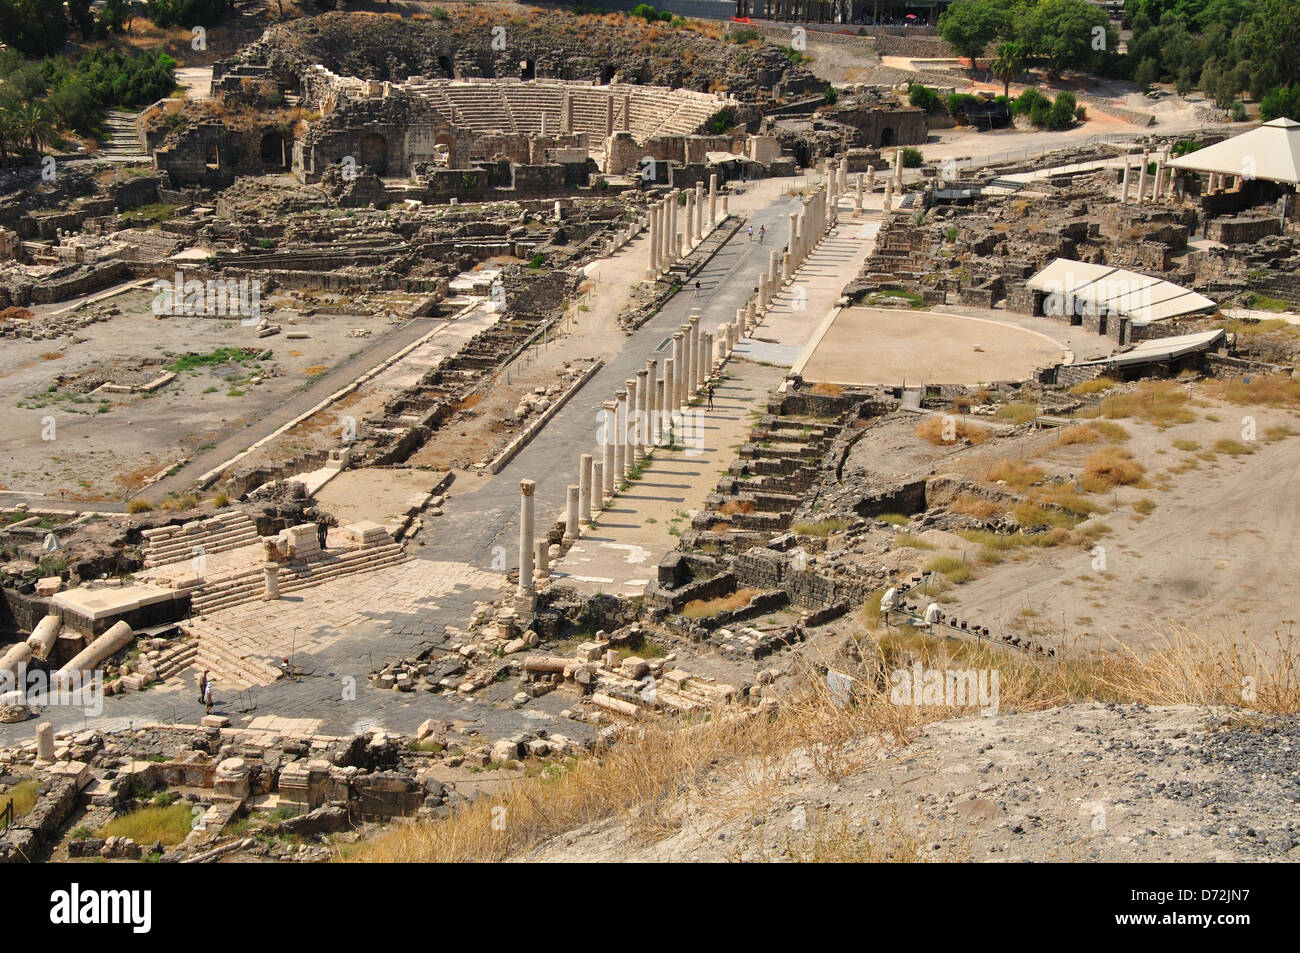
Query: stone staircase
x=123, y=144
x=230, y=666
x=247, y=584
x=174, y=544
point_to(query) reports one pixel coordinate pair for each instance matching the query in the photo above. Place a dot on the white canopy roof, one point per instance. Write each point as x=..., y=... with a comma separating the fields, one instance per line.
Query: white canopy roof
x=1270, y=151
x=1139, y=297
x=1163, y=349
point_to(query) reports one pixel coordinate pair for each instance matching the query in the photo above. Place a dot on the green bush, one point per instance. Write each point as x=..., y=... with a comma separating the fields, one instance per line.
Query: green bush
x=831, y=95
x=923, y=97
x=912, y=158
x=1023, y=105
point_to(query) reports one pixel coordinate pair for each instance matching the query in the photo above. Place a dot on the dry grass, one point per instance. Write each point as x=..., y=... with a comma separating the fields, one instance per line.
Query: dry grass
x=824, y=389
x=821, y=528
x=978, y=507
x=1267, y=390
x=1162, y=403
x=1110, y=467
x=1079, y=433
x=170, y=825
x=732, y=507
x=737, y=764
x=24, y=795
x=706, y=608
x=1018, y=413
x=1095, y=386
x=946, y=431
x=1015, y=473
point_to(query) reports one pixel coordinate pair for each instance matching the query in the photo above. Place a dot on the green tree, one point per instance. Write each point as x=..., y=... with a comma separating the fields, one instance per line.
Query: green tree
x=1069, y=34
x=969, y=26
x=33, y=27
x=1282, y=101
x=1008, y=63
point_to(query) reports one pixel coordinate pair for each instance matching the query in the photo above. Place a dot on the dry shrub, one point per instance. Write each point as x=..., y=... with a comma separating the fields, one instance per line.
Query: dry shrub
x=16, y=313
x=1110, y=467
x=1077, y=434
x=1015, y=473
x=732, y=507
x=968, y=505
x=825, y=389
x=935, y=430
x=705, y=608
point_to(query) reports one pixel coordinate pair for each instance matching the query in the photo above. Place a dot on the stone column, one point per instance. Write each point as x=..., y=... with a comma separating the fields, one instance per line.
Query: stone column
x=620, y=439
x=668, y=406
x=526, y=489
x=773, y=272
x=898, y=170
x=762, y=291
x=706, y=357
x=787, y=272
x=571, y=495
x=541, y=563
x=794, y=240
x=658, y=427
x=598, y=489
x=652, y=235
x=608, y=430
x=650, y=433
x=842, y=184
x=750, y=317
x=857, y=201
x=871, y=178
x=687, y=240
x=889, y=195
x=699, y=211
x=674, y=246
x=629, y=427
x=271, y=581
x=1142, y=178
x=640, y=439
x=584, y=485
x=693, y=357
x=45, y=742
x=1155, y=185
x=1124, y=188
x=713, y=199
x=679, y=372
x=726, y=199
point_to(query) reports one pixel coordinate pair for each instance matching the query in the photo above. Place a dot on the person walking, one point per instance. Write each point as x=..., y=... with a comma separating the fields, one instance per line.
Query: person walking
x=751, y=232
x=697, y=289
x=708, y=392
x=208, y=700
x=762, y=233
x=203, y=686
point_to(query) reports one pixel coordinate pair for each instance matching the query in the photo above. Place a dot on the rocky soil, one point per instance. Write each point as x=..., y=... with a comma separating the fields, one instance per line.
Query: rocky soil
x=1082, y=783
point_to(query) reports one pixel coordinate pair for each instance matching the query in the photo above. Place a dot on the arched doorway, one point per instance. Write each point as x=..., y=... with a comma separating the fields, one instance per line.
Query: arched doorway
x=212, y=158
x=607, y=75
x=374, y=153
x=887, y=136
x=447, y=66
x=527, y=69
x=444, y=150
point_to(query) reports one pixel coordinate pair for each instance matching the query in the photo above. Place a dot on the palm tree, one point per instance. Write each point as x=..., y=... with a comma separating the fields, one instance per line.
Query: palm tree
x=1006, y=67
x=33, y=124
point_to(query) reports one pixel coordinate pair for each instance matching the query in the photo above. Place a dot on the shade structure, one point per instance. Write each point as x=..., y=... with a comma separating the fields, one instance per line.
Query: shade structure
x=1270, y=152
x=1141, y=298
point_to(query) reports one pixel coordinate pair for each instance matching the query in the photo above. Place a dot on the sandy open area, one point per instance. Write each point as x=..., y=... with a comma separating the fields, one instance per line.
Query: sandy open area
x=891, y=346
